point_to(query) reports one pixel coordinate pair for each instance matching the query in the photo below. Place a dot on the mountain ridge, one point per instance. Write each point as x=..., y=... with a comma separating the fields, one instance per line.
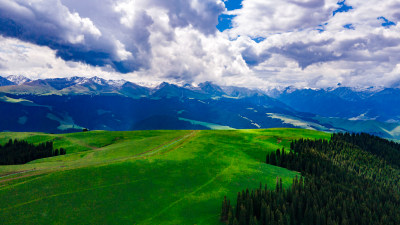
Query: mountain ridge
x=204, y=87
x=68, y=104
x=97, y=85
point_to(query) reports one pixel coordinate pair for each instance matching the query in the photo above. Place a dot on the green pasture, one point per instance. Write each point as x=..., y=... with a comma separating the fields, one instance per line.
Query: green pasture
x=140, y=177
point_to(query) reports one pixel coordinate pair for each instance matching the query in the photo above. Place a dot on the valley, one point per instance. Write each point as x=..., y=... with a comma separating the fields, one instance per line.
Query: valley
x=63, y=105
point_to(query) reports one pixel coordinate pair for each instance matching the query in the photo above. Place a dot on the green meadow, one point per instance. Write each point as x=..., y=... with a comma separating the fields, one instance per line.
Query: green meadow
x=140, y=177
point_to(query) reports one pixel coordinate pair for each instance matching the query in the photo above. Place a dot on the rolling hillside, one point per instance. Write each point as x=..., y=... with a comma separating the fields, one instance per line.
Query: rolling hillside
x=143, y=177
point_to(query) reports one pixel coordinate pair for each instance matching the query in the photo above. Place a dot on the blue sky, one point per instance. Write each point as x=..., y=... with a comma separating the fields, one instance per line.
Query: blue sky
x=225, y=20
x=252, y=43
x=233, y=4
x=386, y=22
x=343, y=7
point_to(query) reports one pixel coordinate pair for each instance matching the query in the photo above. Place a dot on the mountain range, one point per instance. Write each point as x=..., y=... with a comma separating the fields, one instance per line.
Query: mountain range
x=70, y=104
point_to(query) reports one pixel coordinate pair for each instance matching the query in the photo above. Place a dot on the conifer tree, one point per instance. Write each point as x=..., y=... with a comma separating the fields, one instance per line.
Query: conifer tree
x=340, y=183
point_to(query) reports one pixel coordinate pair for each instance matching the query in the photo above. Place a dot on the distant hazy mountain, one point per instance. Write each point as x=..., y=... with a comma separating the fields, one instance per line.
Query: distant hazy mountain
x=70, y=104
x=211, y=89
x=62, y=113
x=5, y=82
x=242, y=92
x=166, y=90
x=370, y=104
x=18, y=79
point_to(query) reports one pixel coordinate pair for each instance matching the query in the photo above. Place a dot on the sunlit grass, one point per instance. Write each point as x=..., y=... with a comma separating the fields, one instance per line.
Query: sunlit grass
x=143, y=177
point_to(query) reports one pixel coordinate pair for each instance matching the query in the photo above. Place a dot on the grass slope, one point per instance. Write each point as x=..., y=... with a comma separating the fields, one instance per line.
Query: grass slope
x=142, y=177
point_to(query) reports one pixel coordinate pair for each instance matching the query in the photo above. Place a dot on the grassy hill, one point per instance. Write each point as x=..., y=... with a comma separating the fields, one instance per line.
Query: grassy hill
x=142, y=177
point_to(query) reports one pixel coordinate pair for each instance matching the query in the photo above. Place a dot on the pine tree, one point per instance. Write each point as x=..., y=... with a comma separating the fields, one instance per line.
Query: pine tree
x=242, y=215
x=231, y=217
x=20, y=152
x=277, y=184
x=253, y=220
x=272, y=159
x=336, y=178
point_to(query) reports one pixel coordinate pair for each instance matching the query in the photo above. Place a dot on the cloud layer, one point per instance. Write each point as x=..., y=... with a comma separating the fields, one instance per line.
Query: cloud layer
x=305, y=43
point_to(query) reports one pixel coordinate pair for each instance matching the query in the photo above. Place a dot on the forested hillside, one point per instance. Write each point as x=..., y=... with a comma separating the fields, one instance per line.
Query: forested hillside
x=20, y=152
x=351, y=179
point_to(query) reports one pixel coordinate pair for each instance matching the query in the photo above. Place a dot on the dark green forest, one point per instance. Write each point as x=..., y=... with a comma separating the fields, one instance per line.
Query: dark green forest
x=20, y=152
x=350, y=179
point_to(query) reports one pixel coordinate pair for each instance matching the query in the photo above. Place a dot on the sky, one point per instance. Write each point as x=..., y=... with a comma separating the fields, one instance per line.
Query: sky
x=251, y=43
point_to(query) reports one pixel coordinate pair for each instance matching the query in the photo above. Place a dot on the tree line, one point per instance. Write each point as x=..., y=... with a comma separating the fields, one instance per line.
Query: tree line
x=20, y=152
x=383, y=148
x=340, y=183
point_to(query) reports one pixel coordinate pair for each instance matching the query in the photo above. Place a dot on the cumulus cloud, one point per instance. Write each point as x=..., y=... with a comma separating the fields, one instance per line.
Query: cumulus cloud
x=112, y=33
x=280, y=16
x=305, y=43
x=307, y=53
x=22, y=58
x=318, y=47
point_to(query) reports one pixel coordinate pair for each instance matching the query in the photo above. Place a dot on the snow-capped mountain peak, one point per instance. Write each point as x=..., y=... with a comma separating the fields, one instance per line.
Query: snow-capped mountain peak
x=18, y=79
x=116, y=83
x=98, y=80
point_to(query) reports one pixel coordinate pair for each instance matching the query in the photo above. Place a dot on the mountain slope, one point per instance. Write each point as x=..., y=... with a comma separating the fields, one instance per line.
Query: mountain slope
x=115, y=112
x=18, y=79
x=140, y=177
x=5, y=82
x=382, y=105
x=67, y=104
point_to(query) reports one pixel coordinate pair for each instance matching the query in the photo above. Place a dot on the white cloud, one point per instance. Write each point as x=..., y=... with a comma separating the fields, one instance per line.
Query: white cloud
x=50, y=16
x=22, y=58
x=176, y=41
x=303, y=56
x=266, y=17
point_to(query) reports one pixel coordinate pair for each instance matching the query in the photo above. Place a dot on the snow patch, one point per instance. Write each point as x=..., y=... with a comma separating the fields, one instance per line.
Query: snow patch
x=18, y=79
x=362, y=117
x=116, y=83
